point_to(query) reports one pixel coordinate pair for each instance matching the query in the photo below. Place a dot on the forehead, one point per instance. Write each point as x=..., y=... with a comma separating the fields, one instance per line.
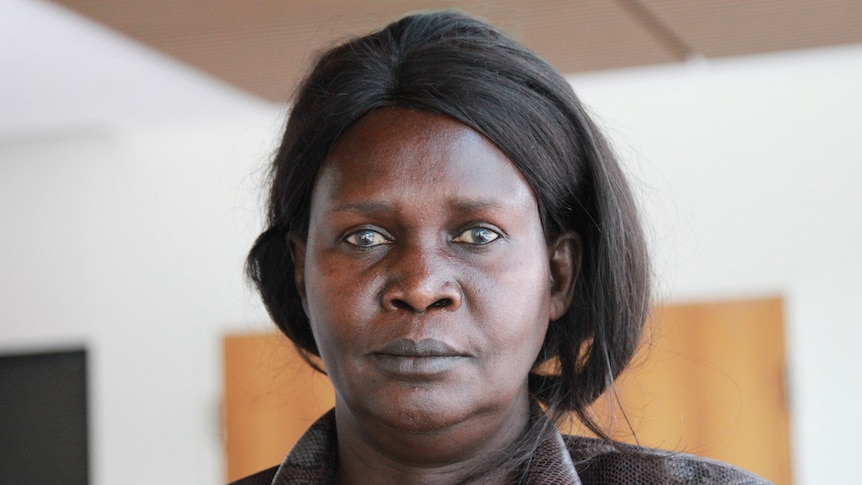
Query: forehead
x=397, y=153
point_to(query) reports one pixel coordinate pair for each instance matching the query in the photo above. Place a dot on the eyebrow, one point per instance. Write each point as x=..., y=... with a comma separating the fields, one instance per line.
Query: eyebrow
x=459, y=204
x=471, y=205
x=362, y=207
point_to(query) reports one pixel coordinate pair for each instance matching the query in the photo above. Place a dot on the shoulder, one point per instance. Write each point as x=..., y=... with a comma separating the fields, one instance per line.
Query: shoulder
x=263, y=477
x=599, y=462
x=311, y=460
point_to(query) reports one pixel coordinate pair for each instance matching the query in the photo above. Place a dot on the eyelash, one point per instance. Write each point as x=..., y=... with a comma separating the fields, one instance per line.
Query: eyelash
x=381, y=239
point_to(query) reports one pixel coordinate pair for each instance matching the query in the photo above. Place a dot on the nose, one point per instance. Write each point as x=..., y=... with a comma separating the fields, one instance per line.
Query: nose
x=420, y=280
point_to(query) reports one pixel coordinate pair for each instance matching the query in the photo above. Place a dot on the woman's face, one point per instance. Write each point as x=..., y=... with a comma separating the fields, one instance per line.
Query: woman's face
x=425, y=274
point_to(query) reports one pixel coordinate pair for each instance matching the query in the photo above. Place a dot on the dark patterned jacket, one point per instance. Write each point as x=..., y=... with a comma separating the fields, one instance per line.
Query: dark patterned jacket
x=559, y=460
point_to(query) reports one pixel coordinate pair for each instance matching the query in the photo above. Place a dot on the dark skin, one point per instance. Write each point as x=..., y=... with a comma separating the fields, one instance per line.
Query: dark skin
x=429, y=286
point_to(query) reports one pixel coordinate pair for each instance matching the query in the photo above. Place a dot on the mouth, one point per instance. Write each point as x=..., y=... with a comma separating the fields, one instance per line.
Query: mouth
x=413, y=358
x=406, y=347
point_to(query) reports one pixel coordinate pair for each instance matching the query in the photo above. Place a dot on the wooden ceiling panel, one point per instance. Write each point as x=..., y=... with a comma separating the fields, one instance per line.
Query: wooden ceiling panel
x=260, y=46
x=264, y=46
x=719, y=28
x=584, y=35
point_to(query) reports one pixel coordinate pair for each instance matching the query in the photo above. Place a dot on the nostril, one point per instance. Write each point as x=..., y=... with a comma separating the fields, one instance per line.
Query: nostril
x=402, y=305
x=441, y=303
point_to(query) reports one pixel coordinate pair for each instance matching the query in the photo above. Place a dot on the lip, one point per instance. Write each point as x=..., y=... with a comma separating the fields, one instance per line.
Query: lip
x=406, y=347
x=411, y=358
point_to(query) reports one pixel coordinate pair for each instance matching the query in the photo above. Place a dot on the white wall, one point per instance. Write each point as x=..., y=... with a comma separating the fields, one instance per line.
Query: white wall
x=132, y=243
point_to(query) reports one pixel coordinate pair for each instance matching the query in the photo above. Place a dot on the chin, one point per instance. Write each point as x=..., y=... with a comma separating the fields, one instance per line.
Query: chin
x=421, y=412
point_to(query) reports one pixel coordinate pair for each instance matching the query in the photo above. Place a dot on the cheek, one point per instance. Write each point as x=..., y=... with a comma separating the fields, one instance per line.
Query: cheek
x=339, y=299
x=515, y=296
x=524, y=284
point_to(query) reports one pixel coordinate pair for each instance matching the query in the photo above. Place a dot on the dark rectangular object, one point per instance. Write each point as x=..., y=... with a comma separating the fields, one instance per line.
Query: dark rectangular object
x=43, y=418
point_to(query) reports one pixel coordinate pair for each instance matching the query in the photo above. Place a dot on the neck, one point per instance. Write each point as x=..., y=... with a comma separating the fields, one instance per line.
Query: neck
x=374, y=452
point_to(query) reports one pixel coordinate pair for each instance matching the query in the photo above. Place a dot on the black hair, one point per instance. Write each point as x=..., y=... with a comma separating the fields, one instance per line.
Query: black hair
x=452, y=64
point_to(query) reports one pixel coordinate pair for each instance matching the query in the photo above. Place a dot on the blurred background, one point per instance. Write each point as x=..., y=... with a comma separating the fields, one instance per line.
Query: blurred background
x=134, y=138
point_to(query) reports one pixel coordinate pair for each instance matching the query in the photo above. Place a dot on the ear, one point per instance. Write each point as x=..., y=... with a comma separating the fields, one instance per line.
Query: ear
x=296, y=244
x=564, y=257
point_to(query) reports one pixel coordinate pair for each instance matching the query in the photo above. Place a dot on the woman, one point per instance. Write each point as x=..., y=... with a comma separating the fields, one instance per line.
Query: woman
x=451, y=235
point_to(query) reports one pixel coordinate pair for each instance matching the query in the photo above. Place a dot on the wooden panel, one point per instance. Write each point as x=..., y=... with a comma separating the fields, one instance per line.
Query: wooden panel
x=717, y=28
x=271, y=398
x=264, y=46
x=710, y=381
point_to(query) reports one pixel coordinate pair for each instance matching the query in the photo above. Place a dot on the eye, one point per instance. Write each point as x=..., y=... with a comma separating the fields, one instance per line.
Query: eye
x=477, y=235
x=366, y=238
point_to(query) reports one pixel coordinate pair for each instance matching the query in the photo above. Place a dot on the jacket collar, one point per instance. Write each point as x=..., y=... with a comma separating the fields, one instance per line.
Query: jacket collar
x=314, y=457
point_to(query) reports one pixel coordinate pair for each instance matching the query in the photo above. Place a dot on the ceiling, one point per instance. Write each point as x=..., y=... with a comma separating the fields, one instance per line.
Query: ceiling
x=263, y=46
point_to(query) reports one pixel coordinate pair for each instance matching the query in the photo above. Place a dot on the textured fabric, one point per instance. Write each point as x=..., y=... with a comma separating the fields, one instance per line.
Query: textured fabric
x=559, y=460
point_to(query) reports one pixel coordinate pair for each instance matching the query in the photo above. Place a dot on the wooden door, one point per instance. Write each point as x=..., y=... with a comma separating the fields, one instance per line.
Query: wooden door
x=709, y=380
x=271, y=396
